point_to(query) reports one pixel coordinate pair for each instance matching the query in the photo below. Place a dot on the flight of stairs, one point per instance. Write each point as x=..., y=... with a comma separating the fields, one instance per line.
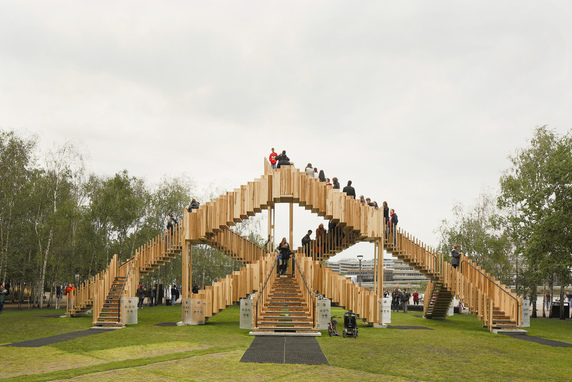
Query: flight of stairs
x=501, y=321
x=285, y=309
x=439, y=302
x=109, y=315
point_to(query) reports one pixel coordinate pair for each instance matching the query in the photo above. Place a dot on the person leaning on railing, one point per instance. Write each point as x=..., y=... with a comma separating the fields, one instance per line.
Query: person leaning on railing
x=306, y=240
x=456, y=256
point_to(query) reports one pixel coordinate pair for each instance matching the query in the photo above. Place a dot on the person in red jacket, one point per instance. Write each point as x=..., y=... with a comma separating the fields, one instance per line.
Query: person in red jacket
x=416, y=298
x=69, y=291
x=272, y=158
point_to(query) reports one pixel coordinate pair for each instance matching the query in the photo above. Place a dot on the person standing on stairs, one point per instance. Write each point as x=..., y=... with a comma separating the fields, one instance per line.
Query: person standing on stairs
x=284, y=249
x=349, y=190
x=393, y=220
x=272, y=158
x=309, y=170
x=385, y=213
x=320, y=238
x=455, y=256
x=194, y=205
x=171, y=223
x=336, y=184
x=306, y=240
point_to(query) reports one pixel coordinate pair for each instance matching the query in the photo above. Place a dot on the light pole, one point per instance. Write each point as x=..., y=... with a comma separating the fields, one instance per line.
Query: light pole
x=359, y=257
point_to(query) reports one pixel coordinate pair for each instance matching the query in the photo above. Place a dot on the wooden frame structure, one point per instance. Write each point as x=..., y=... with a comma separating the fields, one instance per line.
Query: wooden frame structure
x=355, y=222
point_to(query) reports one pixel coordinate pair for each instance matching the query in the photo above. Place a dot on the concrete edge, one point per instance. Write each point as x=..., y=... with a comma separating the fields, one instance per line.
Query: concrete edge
x=285, y=334
x=508, y=331
x=107, y=327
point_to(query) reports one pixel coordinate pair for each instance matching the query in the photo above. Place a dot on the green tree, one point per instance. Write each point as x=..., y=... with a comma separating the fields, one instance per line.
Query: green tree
x=538, y=191
x=480, y=236
x=16, y=169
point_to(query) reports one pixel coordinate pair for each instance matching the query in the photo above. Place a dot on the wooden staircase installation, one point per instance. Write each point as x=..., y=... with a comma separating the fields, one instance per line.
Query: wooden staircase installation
x=285, y=308
x=357, y=221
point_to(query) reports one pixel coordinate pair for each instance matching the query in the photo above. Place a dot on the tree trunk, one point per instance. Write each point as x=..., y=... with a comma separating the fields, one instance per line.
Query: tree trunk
x=533, y=297
x=43, y=270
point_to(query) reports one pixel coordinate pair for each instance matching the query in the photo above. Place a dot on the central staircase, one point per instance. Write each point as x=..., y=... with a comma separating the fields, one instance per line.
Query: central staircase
x=285, y=310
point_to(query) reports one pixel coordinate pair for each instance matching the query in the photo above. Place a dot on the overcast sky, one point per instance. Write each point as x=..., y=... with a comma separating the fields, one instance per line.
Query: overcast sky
x=419, y=103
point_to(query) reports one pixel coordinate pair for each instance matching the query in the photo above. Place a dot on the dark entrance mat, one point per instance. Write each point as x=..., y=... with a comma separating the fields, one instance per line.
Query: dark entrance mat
x=539, y=340
x=52, y=316
x=408, y=327
x=55, y=339
x=166, y=324
x=292, y=350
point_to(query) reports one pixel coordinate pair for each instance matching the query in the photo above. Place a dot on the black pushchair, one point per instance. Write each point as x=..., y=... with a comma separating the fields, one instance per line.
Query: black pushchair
x=350, y=324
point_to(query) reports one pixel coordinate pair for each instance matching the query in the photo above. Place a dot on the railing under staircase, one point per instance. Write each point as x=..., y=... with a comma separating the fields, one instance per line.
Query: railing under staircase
x=330, y=244
x=236, y=246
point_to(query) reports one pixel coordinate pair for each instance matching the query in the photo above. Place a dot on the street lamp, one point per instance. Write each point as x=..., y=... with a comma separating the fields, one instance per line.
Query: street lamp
x=359, y=257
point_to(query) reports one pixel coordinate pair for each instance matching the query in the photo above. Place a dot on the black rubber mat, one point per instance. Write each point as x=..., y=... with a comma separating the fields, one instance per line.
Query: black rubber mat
x=166, y=324
x=408, y=327
x=290, y=350
x=55, y=339
x=539, y=340
x=52, y=316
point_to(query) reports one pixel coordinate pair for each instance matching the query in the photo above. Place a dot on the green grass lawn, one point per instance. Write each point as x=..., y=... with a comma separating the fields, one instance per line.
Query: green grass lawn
x=457, y=349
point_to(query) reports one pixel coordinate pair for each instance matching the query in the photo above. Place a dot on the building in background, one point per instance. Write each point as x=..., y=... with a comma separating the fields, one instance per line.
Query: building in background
x=395, y=272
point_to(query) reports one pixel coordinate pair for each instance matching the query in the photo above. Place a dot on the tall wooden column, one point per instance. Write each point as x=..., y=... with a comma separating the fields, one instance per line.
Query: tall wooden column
x=379, y=246
x=291, y=225
x=271, y=225
x=187, y=283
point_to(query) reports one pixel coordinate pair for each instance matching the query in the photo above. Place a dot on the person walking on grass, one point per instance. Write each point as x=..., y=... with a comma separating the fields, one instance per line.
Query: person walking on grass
x=3, y=293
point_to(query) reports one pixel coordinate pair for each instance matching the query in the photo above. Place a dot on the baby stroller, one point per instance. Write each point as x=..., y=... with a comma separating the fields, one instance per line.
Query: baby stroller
x=350, y=324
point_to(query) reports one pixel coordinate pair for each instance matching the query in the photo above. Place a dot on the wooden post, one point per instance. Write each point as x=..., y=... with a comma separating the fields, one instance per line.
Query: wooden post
x=271, y=229
x=291, y=224
x=380, y=268
x=187, y=275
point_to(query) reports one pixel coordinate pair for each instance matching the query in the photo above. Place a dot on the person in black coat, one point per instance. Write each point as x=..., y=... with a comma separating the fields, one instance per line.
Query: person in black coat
x=336, y=184
x=349, y=190
x=283, y=159
x=306, y=240
x=455, y=256
x=194, y=205
x=285, y=252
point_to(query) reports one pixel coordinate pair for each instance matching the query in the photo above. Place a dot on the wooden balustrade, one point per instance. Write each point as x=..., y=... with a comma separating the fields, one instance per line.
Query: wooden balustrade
x=236, y=246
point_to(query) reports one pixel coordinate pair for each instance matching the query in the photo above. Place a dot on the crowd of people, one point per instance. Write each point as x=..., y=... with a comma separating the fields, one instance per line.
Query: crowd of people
x=157, y=293
x=400, y=299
